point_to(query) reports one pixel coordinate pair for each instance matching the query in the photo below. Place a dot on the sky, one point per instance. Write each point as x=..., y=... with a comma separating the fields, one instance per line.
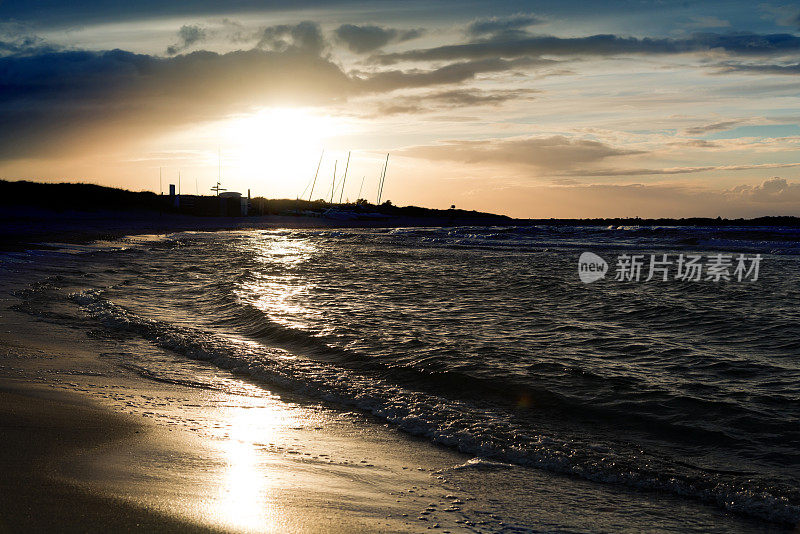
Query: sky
x=531, y=109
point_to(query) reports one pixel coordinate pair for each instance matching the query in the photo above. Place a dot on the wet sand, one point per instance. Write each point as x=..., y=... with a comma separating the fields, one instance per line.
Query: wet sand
x=40, y=433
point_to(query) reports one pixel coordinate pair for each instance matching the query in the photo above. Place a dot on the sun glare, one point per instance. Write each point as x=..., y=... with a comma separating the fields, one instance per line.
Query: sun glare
x=274, y=149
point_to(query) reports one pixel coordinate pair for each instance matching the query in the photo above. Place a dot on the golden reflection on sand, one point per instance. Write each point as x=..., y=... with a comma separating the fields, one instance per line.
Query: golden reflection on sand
x=246, y=498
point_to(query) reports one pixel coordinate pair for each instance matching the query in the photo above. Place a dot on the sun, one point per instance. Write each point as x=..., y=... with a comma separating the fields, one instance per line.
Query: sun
x=274, y=150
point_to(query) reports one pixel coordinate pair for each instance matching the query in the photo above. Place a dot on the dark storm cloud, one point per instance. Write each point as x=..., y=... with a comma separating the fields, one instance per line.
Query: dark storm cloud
x=494, y=25
x=362, y=39
x=604, y=45
x=188, y=35
x=551, y=153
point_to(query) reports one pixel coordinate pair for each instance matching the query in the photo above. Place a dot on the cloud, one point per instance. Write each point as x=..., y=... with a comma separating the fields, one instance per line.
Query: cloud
x=677, y=170
x=715, y=127
x=452, y=73
x=748, y=44
x=695, y=143
x=503, y=25
x=24, y=45
x=551, y=153
x=235, y=31
x=790, y=69
x=773, y=190
x=413, y=33
x=469, y=97
x=188, y=35
x=362, y=39
x=561, y=156
x=306, y=37
x=454, y=98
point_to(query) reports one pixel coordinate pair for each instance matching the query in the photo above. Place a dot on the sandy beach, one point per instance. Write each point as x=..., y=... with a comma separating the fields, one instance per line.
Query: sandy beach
x=87, y=454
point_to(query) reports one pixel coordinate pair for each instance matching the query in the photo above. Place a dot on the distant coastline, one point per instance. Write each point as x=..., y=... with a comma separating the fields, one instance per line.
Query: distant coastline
x=32, y=214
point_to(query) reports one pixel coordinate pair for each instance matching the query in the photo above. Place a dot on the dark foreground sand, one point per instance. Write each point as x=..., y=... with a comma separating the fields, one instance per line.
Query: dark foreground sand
x=40, y=431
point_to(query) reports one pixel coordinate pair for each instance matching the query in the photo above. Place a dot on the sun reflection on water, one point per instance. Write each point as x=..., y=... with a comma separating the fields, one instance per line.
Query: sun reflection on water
x=276, y=288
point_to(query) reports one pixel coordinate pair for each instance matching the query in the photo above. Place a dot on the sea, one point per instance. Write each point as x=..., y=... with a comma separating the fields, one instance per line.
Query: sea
x=487, y=340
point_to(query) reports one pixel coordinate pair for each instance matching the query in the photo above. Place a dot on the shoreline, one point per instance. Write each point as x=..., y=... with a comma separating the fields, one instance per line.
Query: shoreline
x=19, y=232
x=122, y=453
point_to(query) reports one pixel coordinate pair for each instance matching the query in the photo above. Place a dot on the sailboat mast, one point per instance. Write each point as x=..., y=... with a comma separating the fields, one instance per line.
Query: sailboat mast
x=315, y=176
x=383, y=178
x=333, y=185
x=378, y=189
x=344, y=180
x=360, y=188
